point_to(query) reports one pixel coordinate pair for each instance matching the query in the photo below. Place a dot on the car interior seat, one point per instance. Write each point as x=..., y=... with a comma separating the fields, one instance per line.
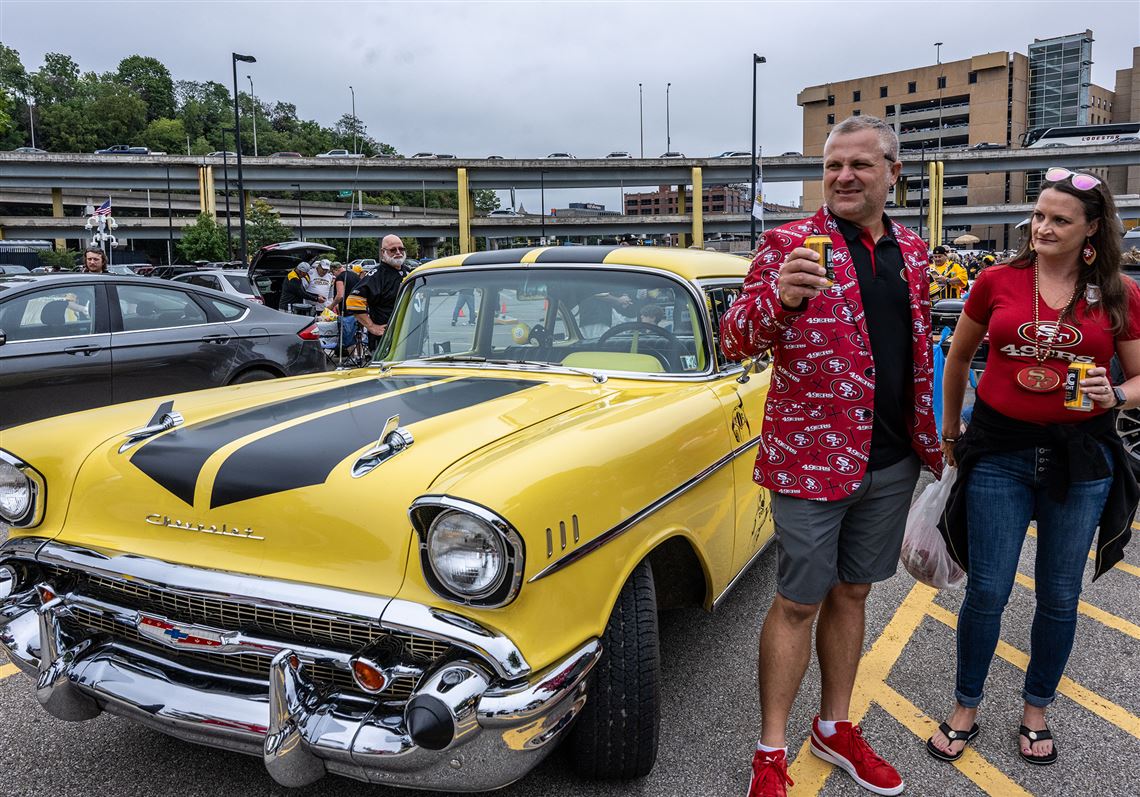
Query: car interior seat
x=53, y=317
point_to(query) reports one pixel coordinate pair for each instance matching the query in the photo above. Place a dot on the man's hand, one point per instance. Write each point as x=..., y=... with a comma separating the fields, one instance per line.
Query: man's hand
x=802, y=277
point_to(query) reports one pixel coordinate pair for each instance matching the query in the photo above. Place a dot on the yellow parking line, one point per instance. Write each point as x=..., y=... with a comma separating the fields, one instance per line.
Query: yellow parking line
x=8, y=669
x=1088, y=610
x=985, y=775
x=1105, y=709
x=809, y=772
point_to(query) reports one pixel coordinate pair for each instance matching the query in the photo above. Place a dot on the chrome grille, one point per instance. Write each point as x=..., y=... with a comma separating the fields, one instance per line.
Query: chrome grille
x=309, y=627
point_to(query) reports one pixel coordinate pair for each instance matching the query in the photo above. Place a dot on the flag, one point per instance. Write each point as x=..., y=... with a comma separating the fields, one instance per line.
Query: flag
x=758, y=202
x=104, y=209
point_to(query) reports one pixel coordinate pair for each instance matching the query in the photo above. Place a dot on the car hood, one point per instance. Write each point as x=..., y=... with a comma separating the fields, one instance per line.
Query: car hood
x=266, y=487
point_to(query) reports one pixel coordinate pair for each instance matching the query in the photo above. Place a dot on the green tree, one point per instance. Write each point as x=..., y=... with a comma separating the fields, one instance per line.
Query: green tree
x=57, y=80
x=204, y=109
x=6, y=121
x=103, y=113
x=13, y=76
x=150, y=79
x=486, y=200
x=60, y=261
x=205, y=239
x=165, y=135
x=263, y=226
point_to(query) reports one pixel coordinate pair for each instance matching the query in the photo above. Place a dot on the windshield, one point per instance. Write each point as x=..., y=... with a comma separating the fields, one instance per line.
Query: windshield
x=602, y=319
x=241, y=284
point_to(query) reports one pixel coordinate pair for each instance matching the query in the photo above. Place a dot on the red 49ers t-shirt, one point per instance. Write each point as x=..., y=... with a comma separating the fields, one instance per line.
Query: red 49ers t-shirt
x=1002, y=299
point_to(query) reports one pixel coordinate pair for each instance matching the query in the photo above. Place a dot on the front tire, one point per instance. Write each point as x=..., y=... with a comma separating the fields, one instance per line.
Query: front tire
x=615, y=736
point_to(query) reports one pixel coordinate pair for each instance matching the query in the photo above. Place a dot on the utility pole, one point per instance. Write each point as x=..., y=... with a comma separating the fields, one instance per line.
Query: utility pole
x=756, y=61
x=253, y=105
x=249, y=59
x=354, y=123
x=668, y=138
x=641, y=115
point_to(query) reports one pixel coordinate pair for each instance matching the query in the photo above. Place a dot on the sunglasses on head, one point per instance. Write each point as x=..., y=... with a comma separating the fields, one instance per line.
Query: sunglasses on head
x=1080, y=180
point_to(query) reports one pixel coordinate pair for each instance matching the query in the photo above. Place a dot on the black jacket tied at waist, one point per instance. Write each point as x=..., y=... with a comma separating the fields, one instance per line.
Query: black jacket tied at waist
x=1075, y=457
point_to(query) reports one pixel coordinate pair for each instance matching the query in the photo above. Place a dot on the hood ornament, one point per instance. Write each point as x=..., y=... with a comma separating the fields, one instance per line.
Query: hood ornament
x=163, y=420
x=393, y=440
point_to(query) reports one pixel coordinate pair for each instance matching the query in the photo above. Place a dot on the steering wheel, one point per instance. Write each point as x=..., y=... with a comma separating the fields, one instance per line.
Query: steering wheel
x=631, y=326
x=539, y=335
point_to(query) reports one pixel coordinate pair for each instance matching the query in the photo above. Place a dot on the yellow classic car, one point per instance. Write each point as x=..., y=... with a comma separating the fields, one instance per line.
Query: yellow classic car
x=422, y=573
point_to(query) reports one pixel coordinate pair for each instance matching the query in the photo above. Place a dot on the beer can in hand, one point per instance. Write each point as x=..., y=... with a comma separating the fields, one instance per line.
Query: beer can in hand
x=821, y=245
x=1075, y=397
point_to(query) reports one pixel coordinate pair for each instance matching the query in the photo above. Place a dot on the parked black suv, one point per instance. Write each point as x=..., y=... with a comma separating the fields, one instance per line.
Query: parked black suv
x=273, y=262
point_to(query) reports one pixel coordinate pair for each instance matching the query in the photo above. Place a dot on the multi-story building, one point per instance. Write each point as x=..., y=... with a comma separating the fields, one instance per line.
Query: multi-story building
x=663, y=201
x=993, y=98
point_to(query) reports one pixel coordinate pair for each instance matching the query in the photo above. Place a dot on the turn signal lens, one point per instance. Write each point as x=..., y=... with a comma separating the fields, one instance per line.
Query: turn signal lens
x=368, y=676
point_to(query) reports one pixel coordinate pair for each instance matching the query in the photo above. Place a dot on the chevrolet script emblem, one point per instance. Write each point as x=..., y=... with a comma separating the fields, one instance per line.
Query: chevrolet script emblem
x=224, y=530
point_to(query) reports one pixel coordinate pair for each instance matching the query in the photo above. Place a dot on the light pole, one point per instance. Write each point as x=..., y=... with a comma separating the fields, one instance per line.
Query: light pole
x=668, y=139
x=542, y=205
x=226, y=183
x=641, y=116
x=249, y=59
x=938, y=59
x=31, y=119
x=169, y=222
x=253, y=105
x=756, y=61
x=300, y=215
x=353, y=93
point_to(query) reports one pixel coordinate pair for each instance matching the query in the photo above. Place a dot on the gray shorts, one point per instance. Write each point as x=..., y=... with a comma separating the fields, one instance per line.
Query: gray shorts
x=854, y=539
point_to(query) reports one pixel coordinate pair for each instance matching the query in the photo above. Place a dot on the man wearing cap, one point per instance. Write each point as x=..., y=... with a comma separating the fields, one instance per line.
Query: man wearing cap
x=321, y=282
x=374, y=299
x=947, y=278
x=294, y=297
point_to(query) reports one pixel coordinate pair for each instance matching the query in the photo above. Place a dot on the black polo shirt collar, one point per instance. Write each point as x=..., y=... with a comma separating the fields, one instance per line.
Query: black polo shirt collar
x=852, y=232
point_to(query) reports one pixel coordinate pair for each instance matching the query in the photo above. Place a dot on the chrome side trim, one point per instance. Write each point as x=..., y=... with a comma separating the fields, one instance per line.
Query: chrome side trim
x=497, y=649
x=35, y=514
x=621, y=528
x=217, y=584
x=748, y=566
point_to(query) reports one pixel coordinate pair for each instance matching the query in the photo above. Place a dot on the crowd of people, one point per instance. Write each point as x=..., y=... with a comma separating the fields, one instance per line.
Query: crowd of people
x=1030, y=450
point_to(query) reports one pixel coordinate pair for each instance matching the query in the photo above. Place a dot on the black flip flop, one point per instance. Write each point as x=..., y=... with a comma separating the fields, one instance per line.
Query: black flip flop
x=953, y=736
x=1037, y=736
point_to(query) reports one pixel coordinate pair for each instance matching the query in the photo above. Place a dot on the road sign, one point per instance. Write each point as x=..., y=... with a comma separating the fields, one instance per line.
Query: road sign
x=344, y=194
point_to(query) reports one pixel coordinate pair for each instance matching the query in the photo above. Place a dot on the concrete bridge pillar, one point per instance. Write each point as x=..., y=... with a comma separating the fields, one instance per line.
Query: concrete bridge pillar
x=466, y=211
x=682, y=208
x=57, y=213
x=207, y=201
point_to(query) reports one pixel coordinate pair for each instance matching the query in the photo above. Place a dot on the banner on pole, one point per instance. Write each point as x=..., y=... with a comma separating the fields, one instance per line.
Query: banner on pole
x=758, y=202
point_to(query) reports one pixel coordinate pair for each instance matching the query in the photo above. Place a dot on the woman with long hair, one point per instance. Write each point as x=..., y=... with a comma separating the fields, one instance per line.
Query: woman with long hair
x=1041, y=444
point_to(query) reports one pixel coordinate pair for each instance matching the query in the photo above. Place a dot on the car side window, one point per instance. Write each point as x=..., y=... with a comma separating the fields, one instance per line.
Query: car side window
x=205, y=281
x=229, y=312
x=144, y=307
x=718, y=298
x=63, y=312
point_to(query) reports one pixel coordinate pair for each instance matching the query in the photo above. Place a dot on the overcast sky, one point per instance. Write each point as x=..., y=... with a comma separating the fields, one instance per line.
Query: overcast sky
x=528, y=78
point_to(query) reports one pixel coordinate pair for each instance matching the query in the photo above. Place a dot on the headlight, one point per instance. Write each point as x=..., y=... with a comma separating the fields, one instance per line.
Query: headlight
x=469, y=554
x=466, y=554
x=21, y=492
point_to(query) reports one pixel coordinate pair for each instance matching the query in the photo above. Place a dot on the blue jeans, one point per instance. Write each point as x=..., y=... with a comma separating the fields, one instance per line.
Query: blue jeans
x=464, y=299
x=1005, y=491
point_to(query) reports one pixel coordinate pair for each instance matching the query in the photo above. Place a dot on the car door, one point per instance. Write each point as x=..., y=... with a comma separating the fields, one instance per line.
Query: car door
x=165, y=341
x=56, y=352
x=742, y=398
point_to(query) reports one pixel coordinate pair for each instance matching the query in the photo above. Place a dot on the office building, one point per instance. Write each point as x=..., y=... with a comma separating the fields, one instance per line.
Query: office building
x=663, y=201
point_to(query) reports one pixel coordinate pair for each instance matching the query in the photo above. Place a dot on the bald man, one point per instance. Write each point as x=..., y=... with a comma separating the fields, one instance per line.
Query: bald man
x=374, y=298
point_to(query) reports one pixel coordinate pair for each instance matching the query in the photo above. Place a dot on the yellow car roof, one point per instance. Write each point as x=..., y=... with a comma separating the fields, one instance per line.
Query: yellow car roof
x=690, y=264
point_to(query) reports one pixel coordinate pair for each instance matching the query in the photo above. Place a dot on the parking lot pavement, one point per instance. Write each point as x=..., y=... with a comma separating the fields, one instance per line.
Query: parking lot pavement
x=710, y=716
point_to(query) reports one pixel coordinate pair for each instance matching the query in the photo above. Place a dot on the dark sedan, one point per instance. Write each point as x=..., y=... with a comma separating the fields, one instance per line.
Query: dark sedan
x=70, y=342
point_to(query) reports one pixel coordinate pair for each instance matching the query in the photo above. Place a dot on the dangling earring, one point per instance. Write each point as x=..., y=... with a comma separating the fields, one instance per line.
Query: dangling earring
x=1031, y=247
x=1088, y=254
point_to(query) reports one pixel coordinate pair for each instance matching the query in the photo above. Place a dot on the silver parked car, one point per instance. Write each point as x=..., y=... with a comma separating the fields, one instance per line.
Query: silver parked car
x=232, y=281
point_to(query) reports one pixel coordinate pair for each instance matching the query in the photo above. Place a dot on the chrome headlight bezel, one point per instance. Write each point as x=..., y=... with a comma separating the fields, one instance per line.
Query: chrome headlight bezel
x=424, y=512
x=37, y=493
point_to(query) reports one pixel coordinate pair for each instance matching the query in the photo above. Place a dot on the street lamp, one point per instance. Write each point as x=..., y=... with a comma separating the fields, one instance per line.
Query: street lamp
x=300, y=215
x=353, y=93
x=249, y=59
x=756, y=60
x=668, y=139
x=641, y=116
x=938, y=59
x=542, y=205
x=253, y=105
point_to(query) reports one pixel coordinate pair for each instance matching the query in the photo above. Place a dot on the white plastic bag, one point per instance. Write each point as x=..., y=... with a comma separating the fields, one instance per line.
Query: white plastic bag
x=924, y=553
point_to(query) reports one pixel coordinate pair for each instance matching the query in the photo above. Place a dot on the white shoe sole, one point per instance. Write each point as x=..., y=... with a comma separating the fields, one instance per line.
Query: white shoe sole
x=820, y=750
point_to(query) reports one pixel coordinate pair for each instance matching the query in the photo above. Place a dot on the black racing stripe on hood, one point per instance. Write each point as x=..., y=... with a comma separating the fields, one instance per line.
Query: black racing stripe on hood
x=176, y=459
x=306, y=454
x=575, y=254
x=496, y=256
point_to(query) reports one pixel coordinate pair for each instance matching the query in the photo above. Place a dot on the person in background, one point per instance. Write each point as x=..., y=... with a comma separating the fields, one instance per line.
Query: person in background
x=294, y=297
x=852, y=367
x=652, y=314
x=94, y=261
x=947, y=277
x=374, y=299
x=1027, y=454
x=345, y=281
x=321, y=283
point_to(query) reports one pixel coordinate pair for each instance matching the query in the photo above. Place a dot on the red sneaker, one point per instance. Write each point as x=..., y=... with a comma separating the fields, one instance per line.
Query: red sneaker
x=769, y=775
x=847, y=749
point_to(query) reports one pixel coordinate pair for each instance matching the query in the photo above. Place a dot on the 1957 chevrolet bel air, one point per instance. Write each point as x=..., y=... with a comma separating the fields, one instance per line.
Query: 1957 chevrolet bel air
x=422, y=573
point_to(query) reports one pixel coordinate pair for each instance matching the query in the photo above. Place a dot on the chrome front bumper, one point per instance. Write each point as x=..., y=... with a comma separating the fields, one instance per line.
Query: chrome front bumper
x=497, y=729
